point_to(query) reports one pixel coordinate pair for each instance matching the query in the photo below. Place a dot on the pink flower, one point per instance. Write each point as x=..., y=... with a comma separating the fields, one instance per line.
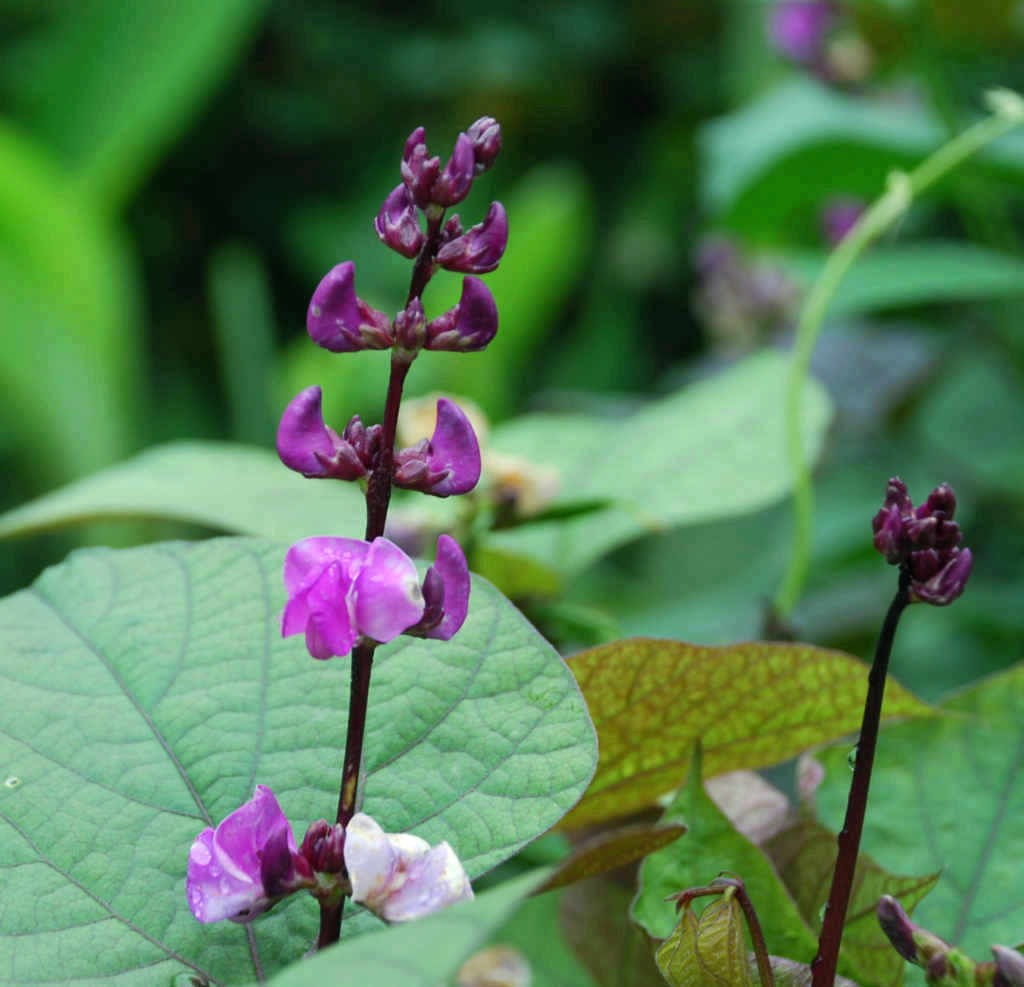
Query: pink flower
x=246, y=865
x=341, y=589
x=398, y=876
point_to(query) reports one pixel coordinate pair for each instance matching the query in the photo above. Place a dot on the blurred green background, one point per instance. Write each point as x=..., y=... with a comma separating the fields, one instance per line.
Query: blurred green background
x=176, y=177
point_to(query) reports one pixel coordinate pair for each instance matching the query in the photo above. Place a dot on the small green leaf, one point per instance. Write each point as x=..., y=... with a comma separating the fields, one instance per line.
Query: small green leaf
x=218, y=484
x=713, y=845
x=750, y=705
x=712, y=450
x=709, y=950
x=149, y=690
x=608, y=850
x=947, y=793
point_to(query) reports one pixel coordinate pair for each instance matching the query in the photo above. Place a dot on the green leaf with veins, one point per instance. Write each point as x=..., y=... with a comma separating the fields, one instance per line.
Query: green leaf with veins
x=147, y=691
x=947, y=794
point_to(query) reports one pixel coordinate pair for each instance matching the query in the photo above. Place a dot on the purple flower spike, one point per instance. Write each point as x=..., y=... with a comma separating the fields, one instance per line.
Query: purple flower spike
x=398, y=876
x=247, y=864
x=419, y=170
x=453, y=184
x=799, y=28
x=342, y=323
x=448, y=463
x=306, y=445
x=925, y=540
x=471, y=325
x=397, y=223
x=480, y=249
x=485, y=134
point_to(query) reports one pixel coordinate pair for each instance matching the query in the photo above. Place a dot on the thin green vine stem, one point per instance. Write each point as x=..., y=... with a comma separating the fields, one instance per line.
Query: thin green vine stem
x=903, y=188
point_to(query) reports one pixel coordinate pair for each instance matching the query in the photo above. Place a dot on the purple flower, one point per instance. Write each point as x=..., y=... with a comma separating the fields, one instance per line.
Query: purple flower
x=453, y=184
x=246, y=865
x=397, y=223
x=799, y=28
x=471, y=325
x=839, y=217
x=485, y=135
x=925, y=540
x=308, y=446
x=398, y=876
x=446, y=463
x=341, y=589
x=342, y=323
x=480, y=249
x=419, y=170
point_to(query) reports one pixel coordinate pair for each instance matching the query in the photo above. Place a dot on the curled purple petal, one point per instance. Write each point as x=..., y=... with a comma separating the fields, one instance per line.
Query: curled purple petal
x=240, y=869
x=948, y=583
x=397, y=224
x=339, y=321
x=480, y=249
x=388, y=598
x=449, y=463
x=451, y=566
x=453, y=184
x=799, y=28
x=307, y=445
x=471, y=325
x=419, y=170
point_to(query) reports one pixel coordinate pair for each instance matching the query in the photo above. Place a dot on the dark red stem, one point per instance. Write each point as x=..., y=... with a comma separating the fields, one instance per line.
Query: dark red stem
x=823, y=968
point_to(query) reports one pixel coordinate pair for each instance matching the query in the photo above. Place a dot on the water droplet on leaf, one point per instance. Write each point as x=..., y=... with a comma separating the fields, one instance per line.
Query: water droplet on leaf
x=851, y=758
x=12, y=782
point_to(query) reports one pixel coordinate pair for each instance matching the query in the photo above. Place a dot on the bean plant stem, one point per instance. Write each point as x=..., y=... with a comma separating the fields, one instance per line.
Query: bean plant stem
x=903, y=188
x=823, y=968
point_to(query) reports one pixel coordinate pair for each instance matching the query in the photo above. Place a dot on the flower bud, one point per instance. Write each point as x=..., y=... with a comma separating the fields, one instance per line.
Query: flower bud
x=948, y=583
x=799, y=29
x=480, y=249
x=911, y=941
x=397, y=224
x=453, y=184
x=448, y=463
x=410, y=326
x=485, y=135
x=323, y=846
x=419, y=171
x=471, y=325
x=306, y=445
x=1010, y=965
x=342, y=323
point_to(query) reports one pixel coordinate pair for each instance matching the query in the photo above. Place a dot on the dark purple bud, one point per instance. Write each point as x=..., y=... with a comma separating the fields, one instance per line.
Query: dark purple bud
x=479, y=250
x=485, y=135
x=897, y=926
x=471, y=325
x=839, y=217
x=452, y=185
x=1010, y=965
x=419, y=170
x=342, y=323
x=410, y=326
x=452, y=228
x=398, y=224
x=365, y=441
x=948, y=583
x=449, y=463
x=306, y=445
x=323, y=847
x=889, y=524
x=941, y=499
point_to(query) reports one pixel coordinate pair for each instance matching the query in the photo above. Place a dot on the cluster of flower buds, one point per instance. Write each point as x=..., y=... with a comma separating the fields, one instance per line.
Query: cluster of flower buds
x=944, y=965
x=926, y=541
x=342, y=590
x=250, y=862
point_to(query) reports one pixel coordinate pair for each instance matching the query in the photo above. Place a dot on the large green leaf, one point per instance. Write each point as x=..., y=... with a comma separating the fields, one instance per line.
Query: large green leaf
x=420, y=954
x=712, y=450
x=147, y=691
x=129, y=77
x=218, y=484
x=778, y=159
x=749, y=705
x=947, y=793
x=915, y=274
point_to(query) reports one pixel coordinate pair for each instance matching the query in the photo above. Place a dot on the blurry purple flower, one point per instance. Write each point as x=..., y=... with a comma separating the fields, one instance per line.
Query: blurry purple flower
x=480, y=249
x=453, y=184
x=247, y=864
x=839, y=217
x=446, y=463
x=341, y=589
x=485, y=135
x=799, y=28
x=339, y=321
x=471, y=325
x=308, y=446
x=926, y=540
x=398, y=876
x=397, y=223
